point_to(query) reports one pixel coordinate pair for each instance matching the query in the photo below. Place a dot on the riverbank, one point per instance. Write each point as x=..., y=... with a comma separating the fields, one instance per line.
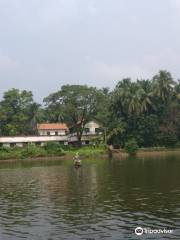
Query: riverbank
x=54, y=151
x=58, y=152
x=147, y=152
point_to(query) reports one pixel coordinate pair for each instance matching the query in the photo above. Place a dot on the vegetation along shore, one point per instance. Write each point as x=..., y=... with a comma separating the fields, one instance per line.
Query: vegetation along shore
x=57, y=152
x=51, y=149
x=135, y=114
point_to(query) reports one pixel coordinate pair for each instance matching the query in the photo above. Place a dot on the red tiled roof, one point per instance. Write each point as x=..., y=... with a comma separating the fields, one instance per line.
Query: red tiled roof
x=52, y=126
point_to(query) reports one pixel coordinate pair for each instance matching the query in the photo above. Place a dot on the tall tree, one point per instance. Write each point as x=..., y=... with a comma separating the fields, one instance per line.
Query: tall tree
x=103, y=106
x=16, y=112
x=131, y=98
x=75, y=105
x=163, y=85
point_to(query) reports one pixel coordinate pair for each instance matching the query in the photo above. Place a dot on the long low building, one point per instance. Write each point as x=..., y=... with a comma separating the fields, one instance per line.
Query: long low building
x=54, y=132
x=42, y=140
x=39, y=140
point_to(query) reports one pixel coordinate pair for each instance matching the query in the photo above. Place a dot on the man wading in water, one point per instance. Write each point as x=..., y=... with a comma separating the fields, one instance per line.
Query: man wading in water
x=77, y=161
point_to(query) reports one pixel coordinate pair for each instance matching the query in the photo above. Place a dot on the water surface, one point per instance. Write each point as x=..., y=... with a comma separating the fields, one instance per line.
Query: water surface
x=104, y=199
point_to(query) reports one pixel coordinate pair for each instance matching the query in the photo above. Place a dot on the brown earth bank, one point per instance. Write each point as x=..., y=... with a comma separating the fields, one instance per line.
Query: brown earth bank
x=145, y=152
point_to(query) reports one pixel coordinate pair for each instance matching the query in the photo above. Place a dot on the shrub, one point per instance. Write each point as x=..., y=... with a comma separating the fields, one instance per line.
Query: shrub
x=170, y=140
x=5, y=149
x=9, y=155
x=178, y=145
x=53, y=148
x=31, y=150
x=131, y=146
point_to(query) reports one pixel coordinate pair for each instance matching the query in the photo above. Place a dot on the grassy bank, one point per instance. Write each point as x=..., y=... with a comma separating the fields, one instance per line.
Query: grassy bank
x=49, y=150
x=55, y=151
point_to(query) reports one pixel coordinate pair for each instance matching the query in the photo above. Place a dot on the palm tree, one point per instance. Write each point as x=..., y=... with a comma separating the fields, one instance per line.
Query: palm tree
x=35, y=115
x=163, y=85
x=120, y=96
x=134, y=101
x=132, y=98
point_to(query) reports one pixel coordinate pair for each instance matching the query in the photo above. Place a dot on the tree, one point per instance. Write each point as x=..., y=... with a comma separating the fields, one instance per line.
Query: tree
x=75, y=105
x=16, y=112
x=131, y=147
x=163, y=85
x=148, y=110
x=116, y=132
x=131, y=98
x=103, y=112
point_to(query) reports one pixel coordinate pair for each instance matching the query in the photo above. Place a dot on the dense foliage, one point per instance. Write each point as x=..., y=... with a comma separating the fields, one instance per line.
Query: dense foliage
x=51, y=149
x=76, y=105
x=131, y=147
x=18, y=113
x=147, y=111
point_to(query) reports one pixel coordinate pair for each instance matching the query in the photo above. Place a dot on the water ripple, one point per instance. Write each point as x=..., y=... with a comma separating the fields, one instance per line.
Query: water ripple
x=106, y=201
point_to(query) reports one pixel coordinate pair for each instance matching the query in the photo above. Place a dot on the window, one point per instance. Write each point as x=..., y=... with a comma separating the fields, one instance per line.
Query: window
x=56, y=133
x=12, y=144
x=48, y=133
x=97, y=130
x=86, y=130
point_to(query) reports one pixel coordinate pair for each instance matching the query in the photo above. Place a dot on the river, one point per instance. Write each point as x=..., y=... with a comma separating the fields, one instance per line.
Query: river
x=104, y=199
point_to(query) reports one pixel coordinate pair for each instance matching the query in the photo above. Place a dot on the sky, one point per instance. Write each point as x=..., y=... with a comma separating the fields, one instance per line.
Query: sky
x=45, y=44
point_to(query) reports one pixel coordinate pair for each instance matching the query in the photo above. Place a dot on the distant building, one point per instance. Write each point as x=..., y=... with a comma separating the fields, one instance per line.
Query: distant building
x=55, y=132
x=92, y=128
x=52, y=129
x=92, y=131
x=21, y=141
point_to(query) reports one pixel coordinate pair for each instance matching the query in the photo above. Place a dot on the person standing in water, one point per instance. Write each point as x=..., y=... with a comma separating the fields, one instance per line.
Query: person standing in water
x=77, y=160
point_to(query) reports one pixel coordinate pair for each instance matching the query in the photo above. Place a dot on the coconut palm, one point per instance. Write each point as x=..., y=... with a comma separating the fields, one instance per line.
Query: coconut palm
x=131, y=97
x=163, y=85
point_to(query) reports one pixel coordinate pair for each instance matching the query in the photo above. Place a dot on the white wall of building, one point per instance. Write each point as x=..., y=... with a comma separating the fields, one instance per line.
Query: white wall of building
x=62, y=137
x=52, y=132
x=92, y=126
x=19, y=141
x=6, y=144
x=19, y=144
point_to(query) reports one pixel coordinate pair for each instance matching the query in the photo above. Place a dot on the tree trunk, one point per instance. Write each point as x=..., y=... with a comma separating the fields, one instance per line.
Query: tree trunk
x=79, y=143
x=79, y=135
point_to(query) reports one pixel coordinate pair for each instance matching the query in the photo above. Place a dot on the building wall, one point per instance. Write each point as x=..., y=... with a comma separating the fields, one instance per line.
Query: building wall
x=6, y=144
x=41, y=140
x=19, y=144
x=52, y=132
x=92, y=126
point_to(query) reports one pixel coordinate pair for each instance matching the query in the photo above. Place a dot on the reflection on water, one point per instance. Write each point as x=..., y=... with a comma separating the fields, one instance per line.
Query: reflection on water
x=105, y=199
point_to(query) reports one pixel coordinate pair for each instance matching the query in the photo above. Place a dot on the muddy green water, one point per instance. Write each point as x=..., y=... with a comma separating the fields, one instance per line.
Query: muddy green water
x=104, y=199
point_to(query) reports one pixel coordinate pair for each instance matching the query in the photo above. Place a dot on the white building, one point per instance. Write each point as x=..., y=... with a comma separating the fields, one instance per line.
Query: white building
x=54, y=132
x=20, y=141
x=52, y=129
x=92, y=128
